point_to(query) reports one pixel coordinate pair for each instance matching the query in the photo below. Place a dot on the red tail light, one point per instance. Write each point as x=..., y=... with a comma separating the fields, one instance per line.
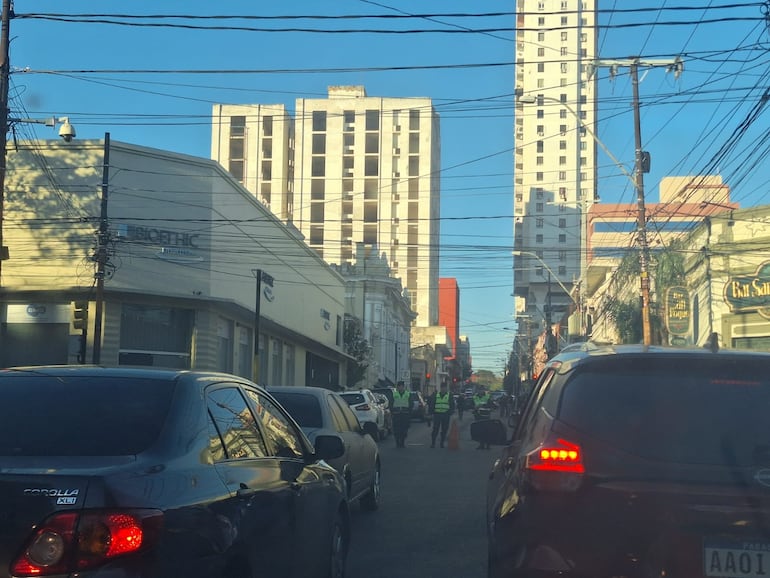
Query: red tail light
x=558, y=456
x=363, y=407
x=70, y=542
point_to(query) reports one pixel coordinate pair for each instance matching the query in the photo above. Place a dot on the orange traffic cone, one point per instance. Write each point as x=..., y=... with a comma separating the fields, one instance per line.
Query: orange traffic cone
x=453, y=439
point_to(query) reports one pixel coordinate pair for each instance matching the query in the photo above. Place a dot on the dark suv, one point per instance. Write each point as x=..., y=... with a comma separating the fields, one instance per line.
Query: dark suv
x=635, y=461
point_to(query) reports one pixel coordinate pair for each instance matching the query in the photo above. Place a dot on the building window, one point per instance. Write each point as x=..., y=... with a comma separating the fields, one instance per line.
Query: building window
x=562, y=238
x=319, y=121
x=317, y=212
x=563, y=193
x=318, y=167
x=540, y=21
x=289, y=360
x=539, y=222
x=541, y=52
x=564, y=36
x=562, y=255
x=245, y=352
x=540, y=130
x=540, y=113
x=317, y=189
x=349, y=120
x=541, y=36
x=539, y=160
x=564, y=67
x=539, y=207
x=563, y=113
x=372, y=143
x=414, y=119
x=372, y=120
x=158, y=336
x=225, y=345
x=276, y=360
x=562, y=160
x=539, y=146
x=563, y=129
x=319, y=144
x=564, y=21
x=562, y=270
x=562, y=145
x=538, y=176
x=562, y=175
x=539, y=193
x=371, y=166
x=583, y=37
x=564, y=51
x=539, y=238
x=562, y=223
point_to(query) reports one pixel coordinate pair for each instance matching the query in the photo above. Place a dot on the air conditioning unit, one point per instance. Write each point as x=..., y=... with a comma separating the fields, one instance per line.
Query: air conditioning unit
x=347, y=173
x=397, y=128
x=396, y=174
x=397, y=151
x=348, y=150
x=348, y=127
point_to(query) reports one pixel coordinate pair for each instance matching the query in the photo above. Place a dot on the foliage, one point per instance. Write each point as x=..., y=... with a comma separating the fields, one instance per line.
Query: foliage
x=357, y=347
x=627, y=316
x=488, y=379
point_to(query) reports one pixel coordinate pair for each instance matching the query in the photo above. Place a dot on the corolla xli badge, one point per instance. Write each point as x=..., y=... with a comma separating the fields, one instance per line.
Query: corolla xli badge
x=763, y=477
x=63, y=497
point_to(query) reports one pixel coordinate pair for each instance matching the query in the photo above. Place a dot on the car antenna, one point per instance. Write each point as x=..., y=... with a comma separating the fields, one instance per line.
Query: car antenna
x=712, y=342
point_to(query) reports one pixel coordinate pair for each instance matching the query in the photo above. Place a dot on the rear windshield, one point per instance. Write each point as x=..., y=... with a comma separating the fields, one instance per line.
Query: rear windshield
x=86, y=416
x=700, y=411
x=352, y=398
x=304, y=408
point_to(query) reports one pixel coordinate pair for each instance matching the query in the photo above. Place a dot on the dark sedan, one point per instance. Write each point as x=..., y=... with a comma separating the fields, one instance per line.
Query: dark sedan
x=321, y=412
x=146, y=474
x=635, y=461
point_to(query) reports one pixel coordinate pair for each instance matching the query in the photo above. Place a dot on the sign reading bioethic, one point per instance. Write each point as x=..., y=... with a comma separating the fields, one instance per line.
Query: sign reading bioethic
x=750, y=292
x=678, y=310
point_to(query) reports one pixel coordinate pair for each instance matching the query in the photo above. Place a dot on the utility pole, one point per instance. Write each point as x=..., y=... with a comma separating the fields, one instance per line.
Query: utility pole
x=257, y=315
x=5, y=72
x=642, y=165
x=101, y=254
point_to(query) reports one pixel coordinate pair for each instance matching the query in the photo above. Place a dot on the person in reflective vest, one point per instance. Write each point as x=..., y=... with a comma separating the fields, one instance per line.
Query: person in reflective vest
x=481, y=400
x=401, y=414
x=442, y=406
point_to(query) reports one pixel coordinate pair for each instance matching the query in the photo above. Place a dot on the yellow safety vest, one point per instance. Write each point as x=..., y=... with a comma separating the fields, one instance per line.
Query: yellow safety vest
x=441, y=405
x=400, y=400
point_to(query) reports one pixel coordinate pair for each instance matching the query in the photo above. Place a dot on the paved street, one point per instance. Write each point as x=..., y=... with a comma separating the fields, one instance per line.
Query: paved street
x=432, y=511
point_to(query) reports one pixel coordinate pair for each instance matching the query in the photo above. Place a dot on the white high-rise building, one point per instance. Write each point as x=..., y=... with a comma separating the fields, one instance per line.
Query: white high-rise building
x=347, y=169
x=555, y=156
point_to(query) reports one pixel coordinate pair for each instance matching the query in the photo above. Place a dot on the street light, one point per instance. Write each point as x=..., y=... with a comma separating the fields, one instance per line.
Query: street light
x=545, y=265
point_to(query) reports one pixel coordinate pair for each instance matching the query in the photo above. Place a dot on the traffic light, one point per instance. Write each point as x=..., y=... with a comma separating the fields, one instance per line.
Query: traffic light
x=80, y=316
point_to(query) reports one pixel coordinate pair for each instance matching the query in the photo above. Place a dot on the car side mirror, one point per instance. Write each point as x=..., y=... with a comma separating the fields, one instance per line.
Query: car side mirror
x=489, y=431
x=370, y=428
x=329, y=447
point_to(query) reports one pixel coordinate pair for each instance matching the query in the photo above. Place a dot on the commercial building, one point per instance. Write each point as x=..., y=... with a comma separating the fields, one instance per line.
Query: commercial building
x=183, y=242
x=358, y=169
x=555, y=153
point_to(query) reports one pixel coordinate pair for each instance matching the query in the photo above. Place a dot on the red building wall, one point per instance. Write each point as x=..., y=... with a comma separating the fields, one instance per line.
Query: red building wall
x=449, y=309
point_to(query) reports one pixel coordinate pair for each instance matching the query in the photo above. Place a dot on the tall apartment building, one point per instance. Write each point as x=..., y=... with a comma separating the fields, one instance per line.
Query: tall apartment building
x=555, y=155
x=359, y=169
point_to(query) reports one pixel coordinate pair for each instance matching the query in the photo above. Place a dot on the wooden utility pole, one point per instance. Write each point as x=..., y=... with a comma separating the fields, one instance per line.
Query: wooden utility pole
x=642, y=165
x=5, y=72
x=101, y=254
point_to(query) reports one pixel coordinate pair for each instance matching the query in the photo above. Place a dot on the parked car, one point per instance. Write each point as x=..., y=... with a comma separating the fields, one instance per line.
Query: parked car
x=367, y=408
x=321, y=412
x=419, y=407
x=635, y=461
x=385, y=405
x=134, y=472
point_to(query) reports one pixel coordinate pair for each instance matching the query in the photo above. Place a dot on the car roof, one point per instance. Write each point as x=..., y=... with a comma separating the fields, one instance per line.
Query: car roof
x=314, y=391
x=118, y=372
x=589, y=352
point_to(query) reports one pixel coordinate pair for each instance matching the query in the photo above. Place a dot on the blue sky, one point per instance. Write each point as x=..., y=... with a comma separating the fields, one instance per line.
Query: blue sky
x=685, y=123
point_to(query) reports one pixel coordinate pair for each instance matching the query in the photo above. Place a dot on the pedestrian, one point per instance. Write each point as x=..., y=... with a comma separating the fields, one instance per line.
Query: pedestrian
x=442, y=406
x=401, y=414
x=460, y=403
x=481, y=400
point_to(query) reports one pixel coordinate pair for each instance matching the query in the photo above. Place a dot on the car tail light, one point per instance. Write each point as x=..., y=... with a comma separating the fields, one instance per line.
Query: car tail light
x=556, y=466
x=70, y=542
x=560, y=456
x=363, y=407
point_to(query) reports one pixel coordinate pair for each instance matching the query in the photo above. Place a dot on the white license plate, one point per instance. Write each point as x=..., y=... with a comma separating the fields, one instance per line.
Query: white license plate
x=736, y=560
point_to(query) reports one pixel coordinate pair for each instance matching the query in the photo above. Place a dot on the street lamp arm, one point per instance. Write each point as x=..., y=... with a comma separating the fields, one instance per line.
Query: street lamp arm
x=544, y=264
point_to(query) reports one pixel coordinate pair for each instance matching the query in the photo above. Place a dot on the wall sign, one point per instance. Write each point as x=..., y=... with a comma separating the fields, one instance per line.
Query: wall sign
x=678, y=310
x=750, y=292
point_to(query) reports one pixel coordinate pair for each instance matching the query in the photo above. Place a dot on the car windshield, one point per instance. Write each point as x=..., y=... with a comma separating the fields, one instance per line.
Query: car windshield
x=48, y=416
x=712, y=414
x=303, y=407
x=353, y=398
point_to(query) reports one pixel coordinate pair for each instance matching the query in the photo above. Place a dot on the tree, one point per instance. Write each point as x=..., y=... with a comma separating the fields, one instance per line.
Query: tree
x=357, y=347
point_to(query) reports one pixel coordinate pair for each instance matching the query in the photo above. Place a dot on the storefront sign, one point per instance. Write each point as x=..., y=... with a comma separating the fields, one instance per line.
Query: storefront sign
x=173, y=246
x=39, y=313
x=677, y=310
x=749, y=292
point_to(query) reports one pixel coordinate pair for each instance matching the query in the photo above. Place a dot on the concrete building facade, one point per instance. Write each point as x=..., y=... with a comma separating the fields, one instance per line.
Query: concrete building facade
x=555, y=153
x=184, y=241
x=364, y=170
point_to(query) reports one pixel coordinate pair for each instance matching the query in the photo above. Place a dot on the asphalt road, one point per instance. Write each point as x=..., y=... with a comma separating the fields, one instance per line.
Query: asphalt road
x=431, y=520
